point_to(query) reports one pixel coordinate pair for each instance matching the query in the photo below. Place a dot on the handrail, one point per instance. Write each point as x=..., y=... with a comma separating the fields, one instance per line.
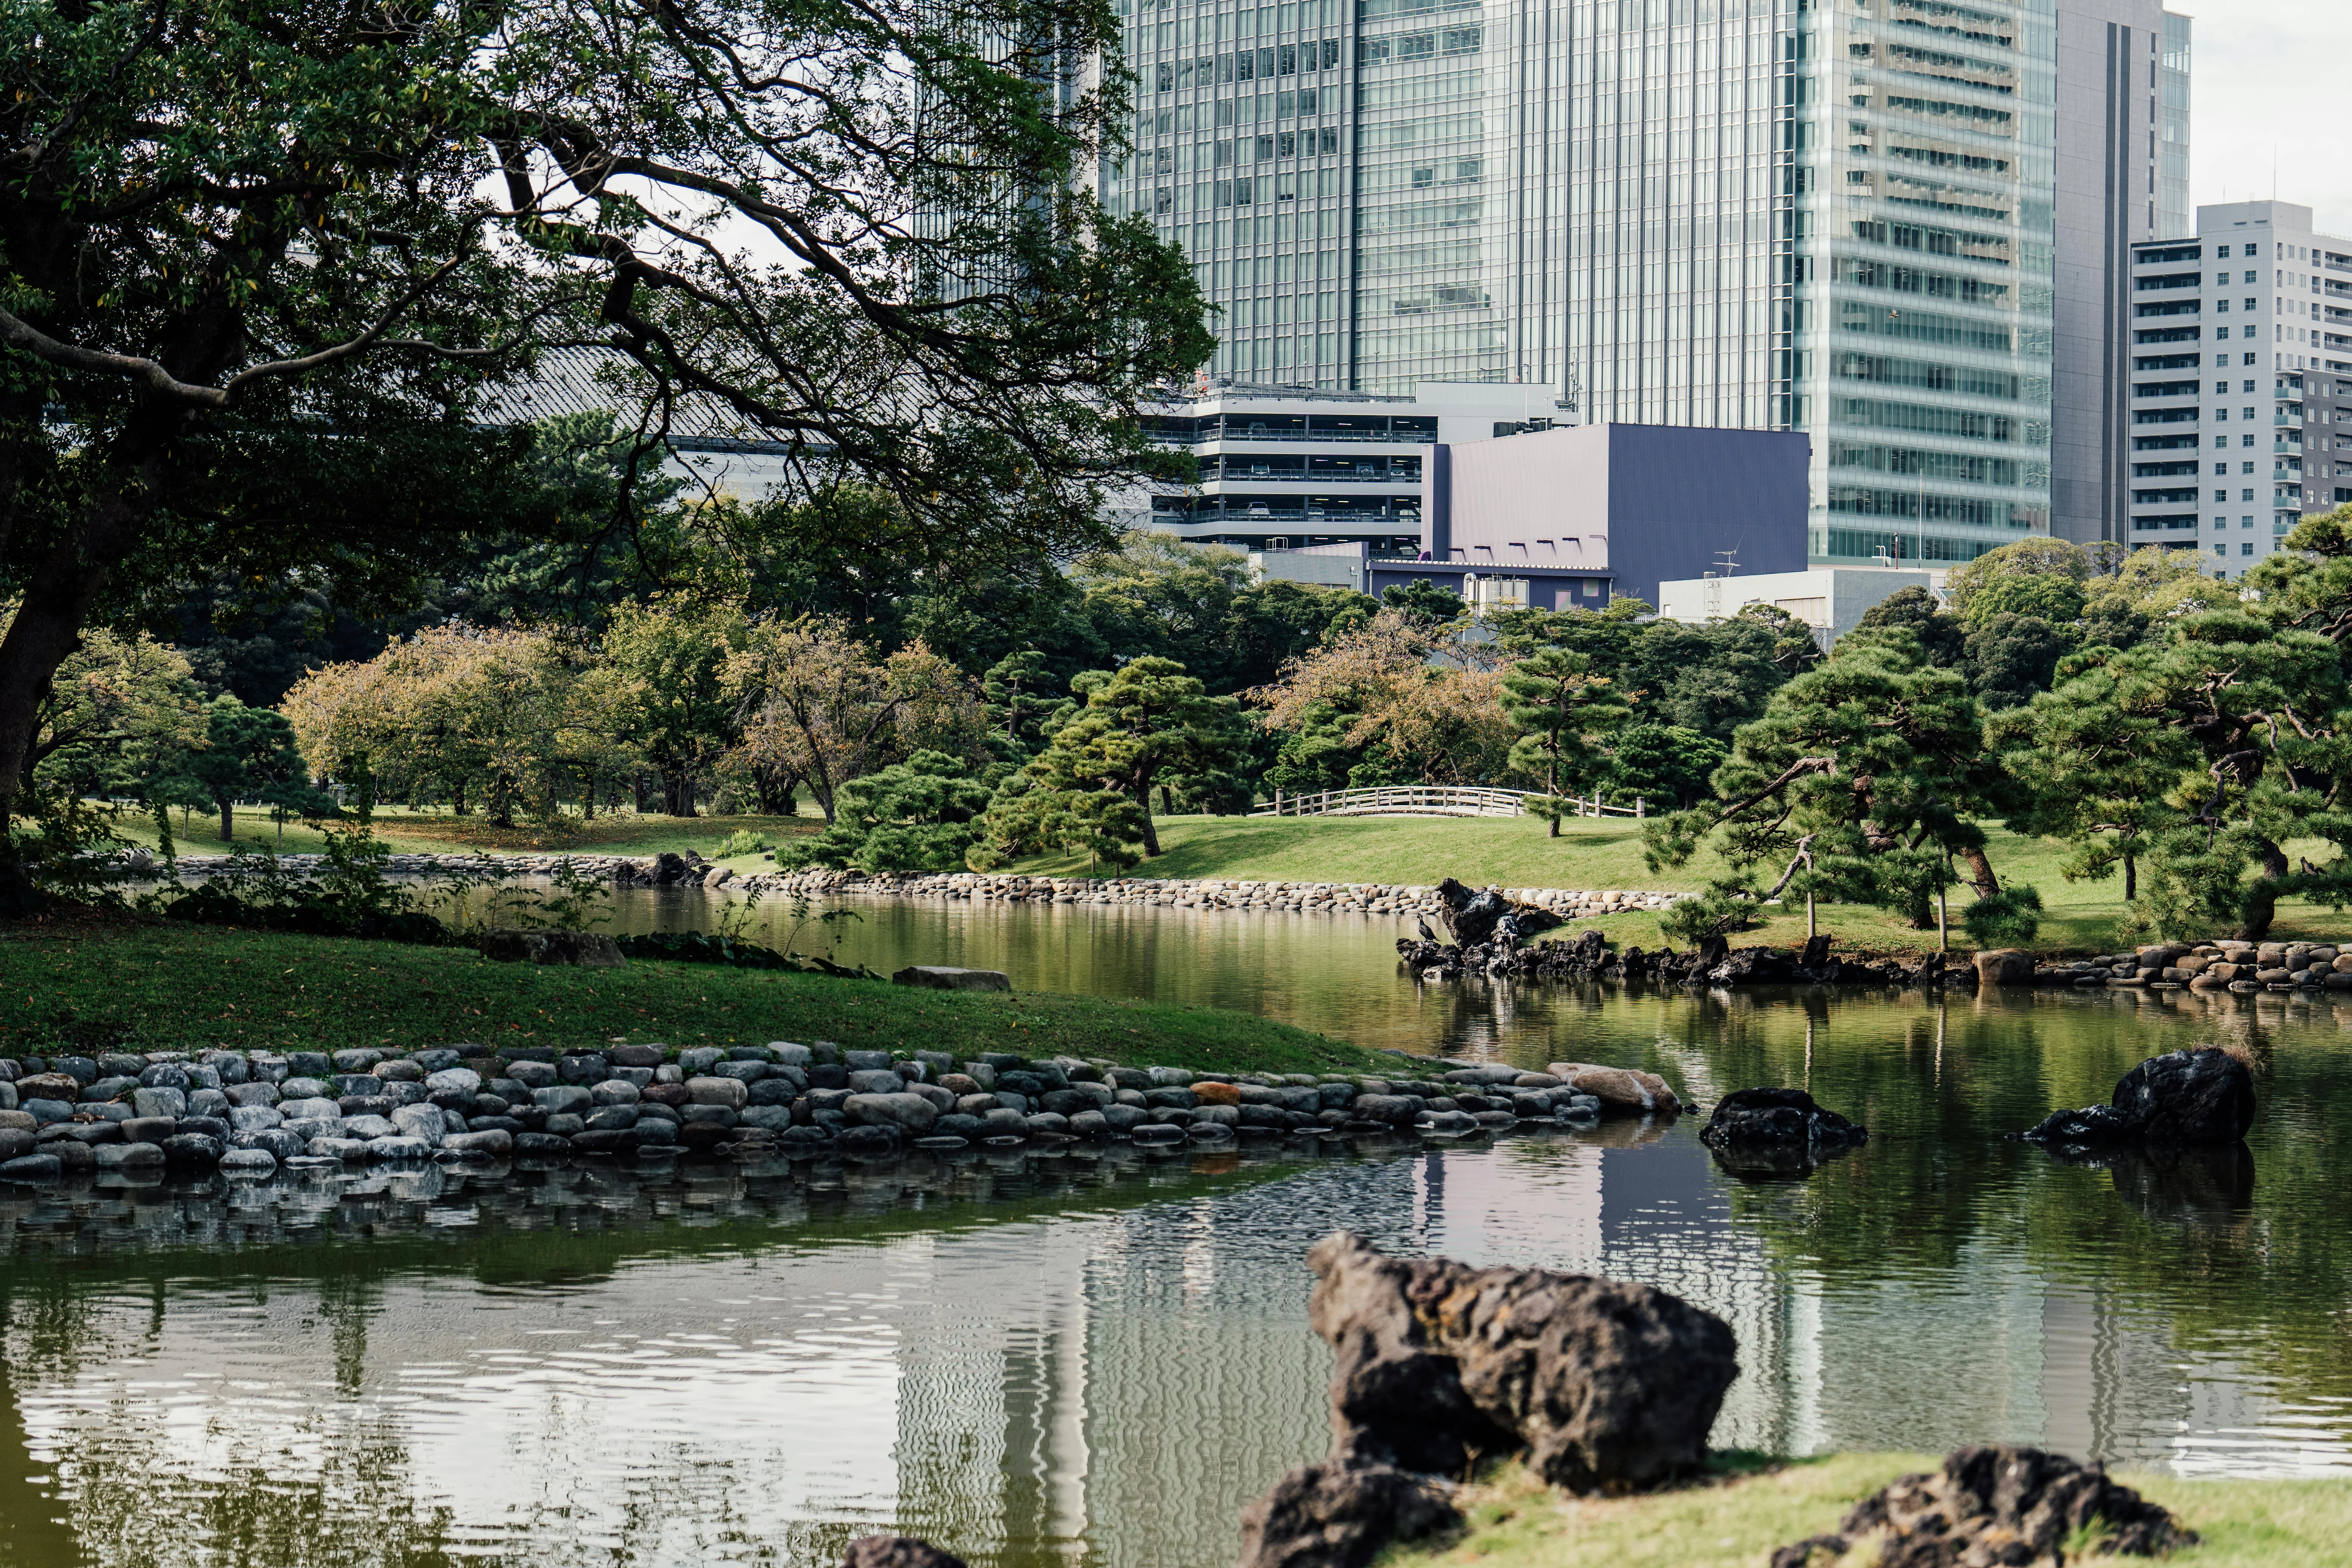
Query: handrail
x=1433, y=800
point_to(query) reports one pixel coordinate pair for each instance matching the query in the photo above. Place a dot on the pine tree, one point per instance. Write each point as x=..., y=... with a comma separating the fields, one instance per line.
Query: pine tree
x=1561, y=709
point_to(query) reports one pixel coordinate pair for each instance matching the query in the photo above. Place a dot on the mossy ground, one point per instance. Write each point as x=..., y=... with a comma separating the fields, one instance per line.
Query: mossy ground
x=1515, y=1521
x=96, y=985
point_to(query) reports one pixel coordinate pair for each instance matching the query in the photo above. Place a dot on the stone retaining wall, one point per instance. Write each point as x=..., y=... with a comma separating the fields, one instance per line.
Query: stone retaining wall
x=2227, y=965
x=1209, y=893
x=252, y=1113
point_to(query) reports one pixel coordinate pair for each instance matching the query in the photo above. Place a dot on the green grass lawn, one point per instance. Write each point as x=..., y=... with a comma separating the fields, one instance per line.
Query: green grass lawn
x=1516, y=1522
x=96, y=985
x=439, y=832
x=1606, y=853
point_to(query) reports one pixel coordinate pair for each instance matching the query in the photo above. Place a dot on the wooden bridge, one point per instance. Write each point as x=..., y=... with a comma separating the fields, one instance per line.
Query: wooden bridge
x=1431, y=799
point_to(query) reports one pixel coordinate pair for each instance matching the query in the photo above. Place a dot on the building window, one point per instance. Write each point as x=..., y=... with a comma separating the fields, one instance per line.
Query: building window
x=2247, y=548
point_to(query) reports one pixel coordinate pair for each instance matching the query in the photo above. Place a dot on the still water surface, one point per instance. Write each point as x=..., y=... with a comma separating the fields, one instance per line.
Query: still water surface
x=1097, y=1358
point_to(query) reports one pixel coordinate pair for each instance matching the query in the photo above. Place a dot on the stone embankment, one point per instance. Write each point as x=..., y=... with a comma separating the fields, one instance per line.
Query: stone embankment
x=252, y=1113
x=692, y=870
x=1313, y=897
x=2240, y=966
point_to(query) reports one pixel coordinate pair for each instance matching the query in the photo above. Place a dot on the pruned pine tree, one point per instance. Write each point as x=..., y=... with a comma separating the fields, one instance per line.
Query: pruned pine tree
x=1861, y=783
x=1561, y=710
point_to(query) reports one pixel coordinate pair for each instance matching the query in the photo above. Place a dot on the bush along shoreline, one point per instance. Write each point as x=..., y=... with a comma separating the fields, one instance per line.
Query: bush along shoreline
x=252, y=1113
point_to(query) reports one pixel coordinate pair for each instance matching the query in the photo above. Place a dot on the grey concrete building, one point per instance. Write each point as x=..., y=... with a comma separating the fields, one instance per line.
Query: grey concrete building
x=2123, y=178
x=2240, y=382
x=1893, y=225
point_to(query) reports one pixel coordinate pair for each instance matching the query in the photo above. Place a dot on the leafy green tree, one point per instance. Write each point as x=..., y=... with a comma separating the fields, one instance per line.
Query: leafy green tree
x=2037, y=576
x=686, y=713
x=921, y=815
x=261, y=262
x=1561, y=710
x=249, y=752
x=1857, y=786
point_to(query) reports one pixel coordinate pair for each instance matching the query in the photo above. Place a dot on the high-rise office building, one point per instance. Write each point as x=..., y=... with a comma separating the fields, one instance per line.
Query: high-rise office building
x=1891, y=224
x=2241, y=392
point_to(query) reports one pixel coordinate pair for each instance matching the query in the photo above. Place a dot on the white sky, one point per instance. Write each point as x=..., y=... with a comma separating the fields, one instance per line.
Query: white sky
x=2266, y=82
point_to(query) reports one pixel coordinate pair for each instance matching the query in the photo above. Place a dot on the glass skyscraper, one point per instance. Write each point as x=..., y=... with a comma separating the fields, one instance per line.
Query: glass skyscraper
x=1841, y=216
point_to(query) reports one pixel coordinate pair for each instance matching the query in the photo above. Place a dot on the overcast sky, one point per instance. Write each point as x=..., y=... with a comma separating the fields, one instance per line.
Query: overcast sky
x=2264, y=75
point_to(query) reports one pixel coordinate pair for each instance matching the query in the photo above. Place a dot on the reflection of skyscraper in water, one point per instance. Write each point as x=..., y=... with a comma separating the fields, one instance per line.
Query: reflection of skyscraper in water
x=1130, y=1381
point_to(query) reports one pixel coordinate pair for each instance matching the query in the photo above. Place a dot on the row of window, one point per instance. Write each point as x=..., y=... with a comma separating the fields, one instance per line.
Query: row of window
x=1248, y=65
x=1312, y=143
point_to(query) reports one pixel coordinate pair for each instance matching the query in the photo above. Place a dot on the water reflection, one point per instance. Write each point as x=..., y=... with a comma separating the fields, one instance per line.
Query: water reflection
x=1097, y=1358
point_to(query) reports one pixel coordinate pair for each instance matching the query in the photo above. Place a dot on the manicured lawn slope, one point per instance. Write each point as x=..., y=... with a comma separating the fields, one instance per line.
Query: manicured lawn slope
x=1603, y=853
x=1516, y=1522
x=167, y=987
x=439, y=831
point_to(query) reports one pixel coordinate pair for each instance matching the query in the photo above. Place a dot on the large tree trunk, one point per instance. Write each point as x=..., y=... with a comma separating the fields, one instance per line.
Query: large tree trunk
x=1981, y=872
x=2262, y=894
x=1150, y=832
x=57, y=596
x=229, y=819
x=2131, y=876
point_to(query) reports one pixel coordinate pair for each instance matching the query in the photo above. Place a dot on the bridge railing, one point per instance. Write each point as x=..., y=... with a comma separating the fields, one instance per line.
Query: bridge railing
x=1431, y=799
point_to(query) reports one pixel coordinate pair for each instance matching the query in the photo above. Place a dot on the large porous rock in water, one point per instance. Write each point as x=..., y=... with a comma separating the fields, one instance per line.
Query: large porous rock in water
x=1340, y=1516
x=1604, y=1386
x=2204, y=1095
x=2188, y=1097
x=1472, y=918
x=1777, y=1131
x=896, y=1551
x=1994, y=1508
x=584, y=950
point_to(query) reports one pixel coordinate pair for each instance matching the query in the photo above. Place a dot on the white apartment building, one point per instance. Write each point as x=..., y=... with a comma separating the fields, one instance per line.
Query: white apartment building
x=1286, y=468
x=2240, y=382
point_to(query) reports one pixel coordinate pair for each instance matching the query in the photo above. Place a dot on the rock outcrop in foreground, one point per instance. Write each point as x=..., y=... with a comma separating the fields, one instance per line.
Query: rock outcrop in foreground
x=1994, y=1508
x=1602, y=1386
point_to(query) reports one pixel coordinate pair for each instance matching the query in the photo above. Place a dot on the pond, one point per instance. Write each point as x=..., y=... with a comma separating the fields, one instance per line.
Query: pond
x=1097, y=1358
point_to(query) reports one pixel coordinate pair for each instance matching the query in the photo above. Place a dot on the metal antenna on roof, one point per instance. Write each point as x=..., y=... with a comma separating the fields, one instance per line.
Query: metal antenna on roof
x=1728, y=560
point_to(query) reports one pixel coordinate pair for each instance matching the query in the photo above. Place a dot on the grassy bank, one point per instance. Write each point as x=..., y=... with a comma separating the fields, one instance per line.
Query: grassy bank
x=171, y=987
x=1513, y=852
x=1516, y=1522
x=439, y=832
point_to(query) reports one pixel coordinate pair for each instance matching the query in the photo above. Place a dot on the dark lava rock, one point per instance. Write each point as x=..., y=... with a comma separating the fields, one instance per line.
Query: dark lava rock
x=1332, y=1515
x=1472, y=917
x=896, y=1551
x=1777, y=1130
x=1994, y=1506
x=1605, y=1386
x=2188, y=1097
x=2204, y=1095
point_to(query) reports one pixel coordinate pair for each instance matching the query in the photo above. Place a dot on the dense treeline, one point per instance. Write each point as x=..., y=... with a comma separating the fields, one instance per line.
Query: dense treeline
x=2179, y=732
